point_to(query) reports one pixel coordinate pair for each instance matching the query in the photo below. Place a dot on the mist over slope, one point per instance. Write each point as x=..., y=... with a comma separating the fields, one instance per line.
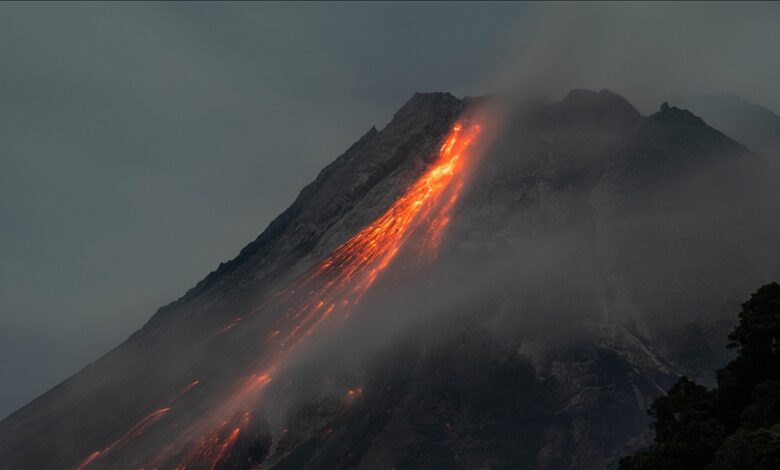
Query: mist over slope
x=750, y=123
x=594, y=255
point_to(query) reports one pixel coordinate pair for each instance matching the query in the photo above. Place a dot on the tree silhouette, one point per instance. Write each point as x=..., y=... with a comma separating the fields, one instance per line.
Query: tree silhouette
x=736, y=425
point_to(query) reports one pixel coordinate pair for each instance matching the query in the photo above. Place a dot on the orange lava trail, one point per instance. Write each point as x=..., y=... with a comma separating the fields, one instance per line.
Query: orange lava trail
x=195, y=447
x=136, y=430
x=133, y=433
x=215, y=447
x=334, y=286
x=225, y=447
x=90, y=458
x=330, y=291
x=230, y=325
x=341, y=280
x=186, y=389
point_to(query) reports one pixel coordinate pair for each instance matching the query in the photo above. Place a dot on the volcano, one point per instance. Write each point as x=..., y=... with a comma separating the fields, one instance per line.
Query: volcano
x=474, y=285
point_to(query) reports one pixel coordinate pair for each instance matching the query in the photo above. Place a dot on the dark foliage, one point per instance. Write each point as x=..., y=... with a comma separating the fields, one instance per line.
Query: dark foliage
x=736, y=425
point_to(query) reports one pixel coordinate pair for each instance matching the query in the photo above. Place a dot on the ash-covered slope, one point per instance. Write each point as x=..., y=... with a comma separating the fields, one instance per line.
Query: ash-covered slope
x=594, y=255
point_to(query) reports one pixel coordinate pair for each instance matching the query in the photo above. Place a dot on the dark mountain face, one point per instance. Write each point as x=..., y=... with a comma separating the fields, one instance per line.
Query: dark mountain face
x=592, y=256
x=749, y=123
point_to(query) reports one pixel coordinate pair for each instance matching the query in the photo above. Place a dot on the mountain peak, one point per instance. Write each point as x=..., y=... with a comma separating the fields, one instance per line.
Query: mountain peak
x=667, y=112
x=422, y=102
x=673, y=136
x=603, y=106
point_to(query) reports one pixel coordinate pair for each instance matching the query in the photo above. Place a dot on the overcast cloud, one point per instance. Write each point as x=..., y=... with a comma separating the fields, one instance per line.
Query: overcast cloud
x=142, y=144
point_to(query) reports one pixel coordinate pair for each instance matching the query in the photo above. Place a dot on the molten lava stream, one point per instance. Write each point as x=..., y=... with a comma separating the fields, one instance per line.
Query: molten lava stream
x=334, y=286
x=134, y=432
x=330, y=290
x=340, y=281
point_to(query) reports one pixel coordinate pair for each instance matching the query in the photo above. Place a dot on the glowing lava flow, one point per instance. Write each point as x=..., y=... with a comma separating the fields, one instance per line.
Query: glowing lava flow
x=136, y=430
x=213, y=448
x=133, y=433
x=330, y=290
x=336, y=284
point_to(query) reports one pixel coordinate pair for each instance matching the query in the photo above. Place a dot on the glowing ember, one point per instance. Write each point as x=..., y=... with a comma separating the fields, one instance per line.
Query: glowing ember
x=230, y=325
x=90, y=458
x=352, y=395
x=186, y=389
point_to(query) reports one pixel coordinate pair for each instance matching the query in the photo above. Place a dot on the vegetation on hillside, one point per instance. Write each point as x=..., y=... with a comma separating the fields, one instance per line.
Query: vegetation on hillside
x=736, y=425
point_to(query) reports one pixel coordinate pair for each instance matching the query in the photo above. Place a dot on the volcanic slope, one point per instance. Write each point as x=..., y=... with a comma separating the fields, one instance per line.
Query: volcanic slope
x=540, y=296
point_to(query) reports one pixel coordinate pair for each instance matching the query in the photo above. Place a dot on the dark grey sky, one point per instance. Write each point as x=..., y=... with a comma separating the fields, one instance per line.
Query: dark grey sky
x=142, y=144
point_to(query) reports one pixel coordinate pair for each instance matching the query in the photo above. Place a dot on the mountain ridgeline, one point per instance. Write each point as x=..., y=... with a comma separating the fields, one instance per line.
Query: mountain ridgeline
x=593, y=257
x=751, y=124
